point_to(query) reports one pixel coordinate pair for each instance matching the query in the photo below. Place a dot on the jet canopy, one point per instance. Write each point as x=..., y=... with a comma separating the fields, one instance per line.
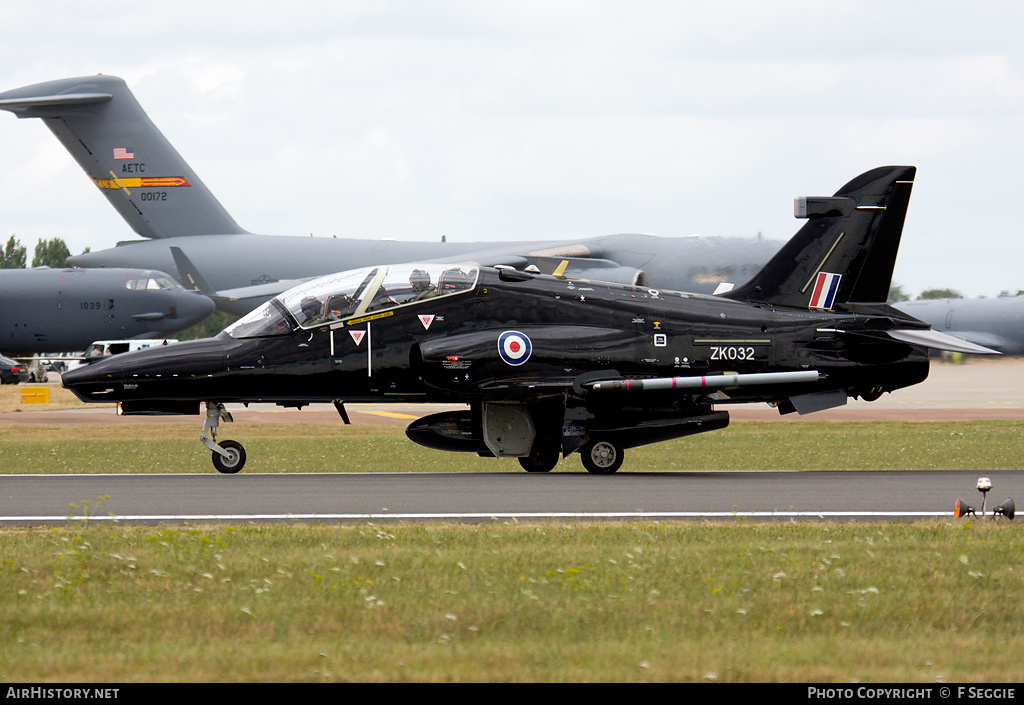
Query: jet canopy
x=337, y=297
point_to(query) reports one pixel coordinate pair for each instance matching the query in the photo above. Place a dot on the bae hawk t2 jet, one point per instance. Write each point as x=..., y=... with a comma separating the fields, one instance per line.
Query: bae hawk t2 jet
x=550, y=365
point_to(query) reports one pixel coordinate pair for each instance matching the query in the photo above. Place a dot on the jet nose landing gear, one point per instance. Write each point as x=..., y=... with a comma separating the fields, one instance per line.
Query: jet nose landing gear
x=228, y=456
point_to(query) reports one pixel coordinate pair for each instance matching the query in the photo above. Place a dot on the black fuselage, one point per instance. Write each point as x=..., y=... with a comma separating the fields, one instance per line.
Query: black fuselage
x=447, y=349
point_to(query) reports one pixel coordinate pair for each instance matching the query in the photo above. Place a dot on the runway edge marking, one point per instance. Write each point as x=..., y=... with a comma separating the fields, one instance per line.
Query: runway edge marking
x=470, y=515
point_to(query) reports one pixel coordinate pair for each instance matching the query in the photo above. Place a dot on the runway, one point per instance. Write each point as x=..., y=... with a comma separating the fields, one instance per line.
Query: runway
x=325, y=498
x=973, y=391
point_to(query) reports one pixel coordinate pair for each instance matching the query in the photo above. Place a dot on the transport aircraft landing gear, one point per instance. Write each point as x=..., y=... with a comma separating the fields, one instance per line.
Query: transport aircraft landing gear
x=228, y=456
x=601, y=457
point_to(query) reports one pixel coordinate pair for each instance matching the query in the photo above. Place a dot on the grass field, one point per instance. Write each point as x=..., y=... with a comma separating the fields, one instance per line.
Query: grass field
x=146, y=448
x=617, y=602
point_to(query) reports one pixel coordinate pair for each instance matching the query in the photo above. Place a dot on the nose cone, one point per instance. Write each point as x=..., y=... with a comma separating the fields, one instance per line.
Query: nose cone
x=112, y=258
x=175, y=310
x=193, y=308
x=82, y=260
x=183, y=370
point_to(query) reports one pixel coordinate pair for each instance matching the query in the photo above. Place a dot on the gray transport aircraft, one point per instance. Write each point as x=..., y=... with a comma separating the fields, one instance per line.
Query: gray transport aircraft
x=105, y=129
x=994, y=323
x=64, y=310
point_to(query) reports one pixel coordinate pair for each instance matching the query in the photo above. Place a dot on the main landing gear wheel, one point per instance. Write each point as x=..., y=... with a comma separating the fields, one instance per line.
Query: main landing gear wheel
x=872, y=394
x=540, y=462
x=601, y=457
x=233, y=461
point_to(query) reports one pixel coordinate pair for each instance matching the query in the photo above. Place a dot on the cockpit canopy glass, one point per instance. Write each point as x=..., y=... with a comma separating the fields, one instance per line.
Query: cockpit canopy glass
x=269, y=319
x=337, y=297
x=151, y=282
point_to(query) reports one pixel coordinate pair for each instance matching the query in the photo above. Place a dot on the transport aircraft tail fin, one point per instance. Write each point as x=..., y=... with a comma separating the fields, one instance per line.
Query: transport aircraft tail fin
x=102, y=125
x=846, y=251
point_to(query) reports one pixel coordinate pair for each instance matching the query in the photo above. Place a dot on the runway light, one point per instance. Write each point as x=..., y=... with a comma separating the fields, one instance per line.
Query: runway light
x=1006, y=509
x=984, y=485
x=962, y=508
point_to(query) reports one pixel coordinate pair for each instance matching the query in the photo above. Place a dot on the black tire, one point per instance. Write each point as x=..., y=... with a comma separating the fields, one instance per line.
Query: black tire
x=601, y=457
x=231, y=465
x=540, y=462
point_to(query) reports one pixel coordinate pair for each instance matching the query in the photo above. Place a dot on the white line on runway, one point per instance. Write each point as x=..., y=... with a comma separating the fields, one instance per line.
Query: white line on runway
x=472, y=515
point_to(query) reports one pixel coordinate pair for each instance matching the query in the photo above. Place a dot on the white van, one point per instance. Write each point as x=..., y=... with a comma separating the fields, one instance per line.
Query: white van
x=105, y=348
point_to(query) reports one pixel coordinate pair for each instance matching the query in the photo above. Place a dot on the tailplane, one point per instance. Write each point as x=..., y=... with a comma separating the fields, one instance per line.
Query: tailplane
x=100, y=123
x=847, y=250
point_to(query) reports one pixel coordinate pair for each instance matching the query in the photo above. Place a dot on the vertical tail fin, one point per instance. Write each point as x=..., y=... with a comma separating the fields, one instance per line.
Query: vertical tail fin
x=100, y=123
x=847, y=250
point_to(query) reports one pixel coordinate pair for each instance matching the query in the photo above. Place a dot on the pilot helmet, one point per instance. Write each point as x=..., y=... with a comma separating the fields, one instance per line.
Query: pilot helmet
x=453, y=280
x=419, y=280
x=310, y=306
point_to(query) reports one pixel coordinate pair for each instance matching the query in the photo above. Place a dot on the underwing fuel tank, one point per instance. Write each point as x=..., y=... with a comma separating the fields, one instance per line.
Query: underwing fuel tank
x=449, y=430
x=461, y=431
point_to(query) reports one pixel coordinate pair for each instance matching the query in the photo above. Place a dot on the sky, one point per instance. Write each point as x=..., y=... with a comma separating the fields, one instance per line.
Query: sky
x=489, y=120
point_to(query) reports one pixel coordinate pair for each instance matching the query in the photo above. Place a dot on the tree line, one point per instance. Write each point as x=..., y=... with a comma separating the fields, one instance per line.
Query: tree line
x=897, y=294
x=48, y=253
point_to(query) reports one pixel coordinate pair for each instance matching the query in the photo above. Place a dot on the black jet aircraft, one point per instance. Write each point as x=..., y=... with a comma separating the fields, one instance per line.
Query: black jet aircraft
x=550, y=365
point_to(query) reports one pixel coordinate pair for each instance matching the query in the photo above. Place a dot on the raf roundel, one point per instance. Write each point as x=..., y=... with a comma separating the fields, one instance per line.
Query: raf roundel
x=514, y=347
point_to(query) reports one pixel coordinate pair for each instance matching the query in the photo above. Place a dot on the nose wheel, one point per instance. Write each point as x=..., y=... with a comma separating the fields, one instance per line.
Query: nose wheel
x=228, y=456
x=232, y=460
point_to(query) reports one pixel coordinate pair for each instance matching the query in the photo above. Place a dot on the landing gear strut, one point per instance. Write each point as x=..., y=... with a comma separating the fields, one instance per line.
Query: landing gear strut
x=228, y=456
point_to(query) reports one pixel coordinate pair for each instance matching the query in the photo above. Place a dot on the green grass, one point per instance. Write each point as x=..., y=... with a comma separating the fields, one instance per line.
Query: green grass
x=619, y=602
x=147, y=448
